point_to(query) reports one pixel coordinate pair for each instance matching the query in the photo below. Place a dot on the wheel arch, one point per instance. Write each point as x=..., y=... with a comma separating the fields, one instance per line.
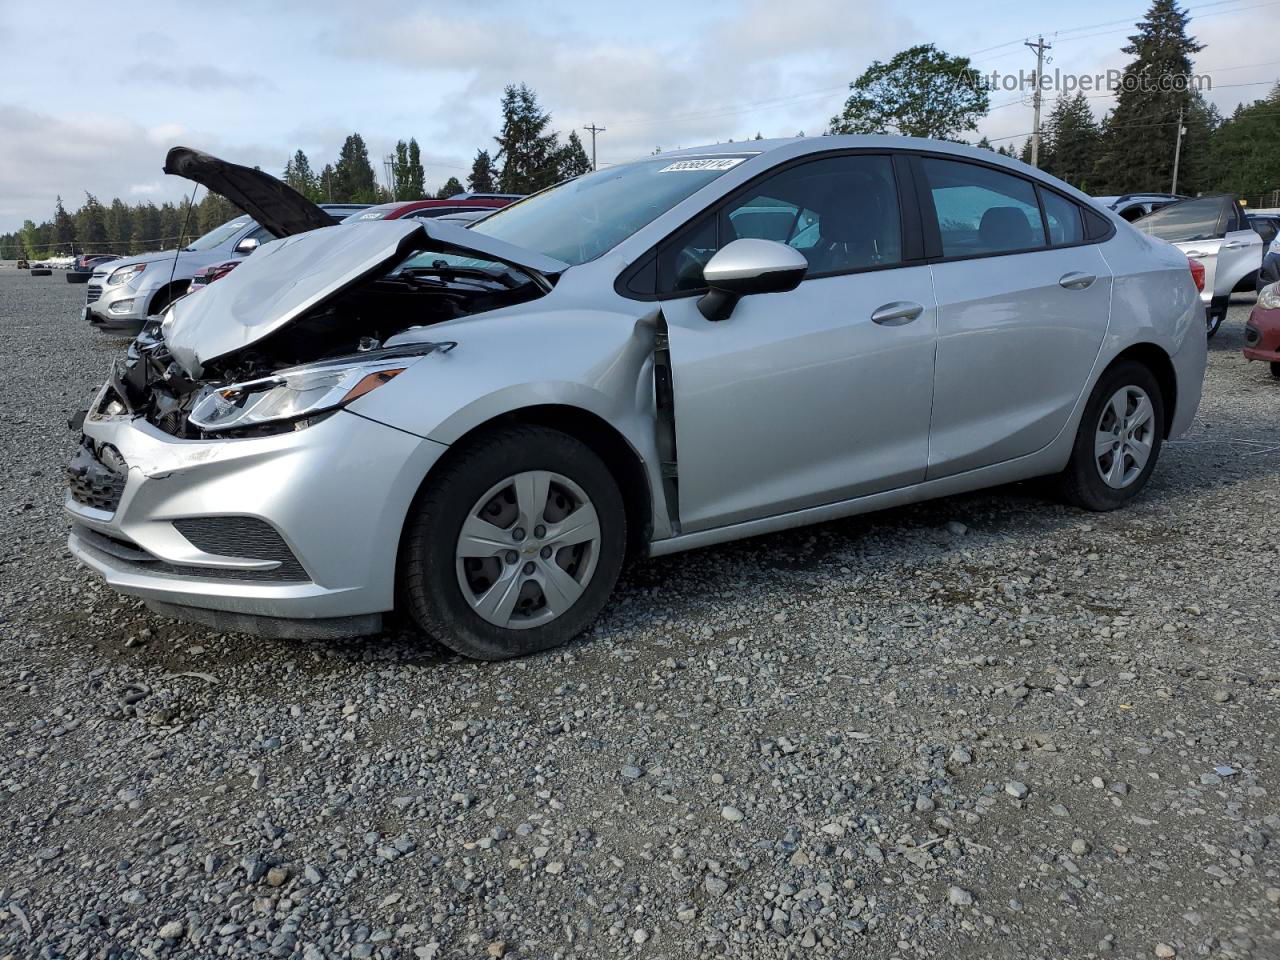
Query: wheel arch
x=619, y=456
x=166, y=294
x=1158, y=361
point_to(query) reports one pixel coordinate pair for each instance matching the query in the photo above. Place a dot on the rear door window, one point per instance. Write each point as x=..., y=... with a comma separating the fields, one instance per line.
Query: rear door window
x=982, y=211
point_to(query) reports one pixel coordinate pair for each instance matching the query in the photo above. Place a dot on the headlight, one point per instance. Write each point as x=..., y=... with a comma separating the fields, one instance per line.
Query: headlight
x=1269, y=297
x=294, y=394
x=125, y=274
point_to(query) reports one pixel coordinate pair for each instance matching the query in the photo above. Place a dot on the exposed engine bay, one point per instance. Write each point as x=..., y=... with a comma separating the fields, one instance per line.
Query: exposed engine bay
x=352, y=325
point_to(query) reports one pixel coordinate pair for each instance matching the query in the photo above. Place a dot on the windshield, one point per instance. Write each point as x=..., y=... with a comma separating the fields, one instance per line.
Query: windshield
x=219, y=235
x=1199, y=219
x=583, y=218
x=371, y=213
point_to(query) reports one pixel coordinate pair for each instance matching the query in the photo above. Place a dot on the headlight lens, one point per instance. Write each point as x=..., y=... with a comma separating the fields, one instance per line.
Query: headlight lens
x=125, y=274
x=293, y=394
x=1269, y=297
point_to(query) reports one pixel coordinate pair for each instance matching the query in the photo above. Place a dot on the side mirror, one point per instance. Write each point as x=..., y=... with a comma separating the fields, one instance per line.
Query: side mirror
x=749, y=266
x=247, y=245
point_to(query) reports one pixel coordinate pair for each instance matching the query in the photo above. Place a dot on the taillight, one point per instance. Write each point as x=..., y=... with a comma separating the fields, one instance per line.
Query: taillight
x=1197, y=273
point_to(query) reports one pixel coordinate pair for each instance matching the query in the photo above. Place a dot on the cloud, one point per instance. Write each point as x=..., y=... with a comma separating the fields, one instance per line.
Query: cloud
x=198, y=77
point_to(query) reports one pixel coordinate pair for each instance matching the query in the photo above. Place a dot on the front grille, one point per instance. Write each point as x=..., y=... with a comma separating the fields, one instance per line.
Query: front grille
x=245, y=537
x=92, y=482
x=92, y=292
x=128, y=554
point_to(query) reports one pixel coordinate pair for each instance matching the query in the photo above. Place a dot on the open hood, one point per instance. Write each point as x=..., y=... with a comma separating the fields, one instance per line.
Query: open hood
x=279, y=208
x=288, y=278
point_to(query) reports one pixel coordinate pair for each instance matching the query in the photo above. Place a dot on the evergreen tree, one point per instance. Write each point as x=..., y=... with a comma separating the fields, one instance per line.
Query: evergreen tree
x=298, y=174
x=985, y=144
x=354, y=180
x=1244, y=155
x=325, y=184
x=406, y=169
x=528, y=152
x=1025, y=154
x=483, y=176
x=1138, y=138
x=1073, y=138
x=64, y=230
x=119, y=227
x=147, y=228
x=572, y=160
x=91, y=225
x=451, y=188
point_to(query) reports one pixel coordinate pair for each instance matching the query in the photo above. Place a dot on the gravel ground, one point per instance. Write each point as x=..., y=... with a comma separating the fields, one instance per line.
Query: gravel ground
x=989, y=726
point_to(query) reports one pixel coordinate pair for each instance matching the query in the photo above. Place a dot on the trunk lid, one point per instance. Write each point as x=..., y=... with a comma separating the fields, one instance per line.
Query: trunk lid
x=277, y=207
x=288, y=278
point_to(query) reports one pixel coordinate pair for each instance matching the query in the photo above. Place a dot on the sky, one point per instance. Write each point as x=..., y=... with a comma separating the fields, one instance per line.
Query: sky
x=92, y=99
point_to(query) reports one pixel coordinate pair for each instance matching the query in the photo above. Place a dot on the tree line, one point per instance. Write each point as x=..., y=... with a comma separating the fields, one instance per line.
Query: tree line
x=921, y=91
x=528, y=155
x=926, y=92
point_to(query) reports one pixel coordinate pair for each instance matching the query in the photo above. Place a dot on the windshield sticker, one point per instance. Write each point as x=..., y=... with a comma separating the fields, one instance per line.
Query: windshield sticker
x=718, y=164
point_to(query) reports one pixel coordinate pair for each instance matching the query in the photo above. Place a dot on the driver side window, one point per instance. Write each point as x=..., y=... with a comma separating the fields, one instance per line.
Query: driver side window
x=840, y=212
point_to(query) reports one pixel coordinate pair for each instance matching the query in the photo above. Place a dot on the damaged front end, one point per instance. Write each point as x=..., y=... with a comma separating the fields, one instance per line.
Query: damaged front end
x=309, y=324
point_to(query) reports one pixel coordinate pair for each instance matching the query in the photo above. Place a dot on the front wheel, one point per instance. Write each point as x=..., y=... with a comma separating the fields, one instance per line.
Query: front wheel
x=1213, y=321
x=515, y=545
x=1118, y=441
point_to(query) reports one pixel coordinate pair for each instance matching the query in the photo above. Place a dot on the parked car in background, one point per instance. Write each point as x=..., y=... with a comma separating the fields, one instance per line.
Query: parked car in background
x=1212, y=229
x=399, y=209
x=207, y=275
x=122, y=295
x=23, y=265
x=1132, y=206
x=1262, y=331
x=482, y=422
x=82, y=269
x=1267, y=226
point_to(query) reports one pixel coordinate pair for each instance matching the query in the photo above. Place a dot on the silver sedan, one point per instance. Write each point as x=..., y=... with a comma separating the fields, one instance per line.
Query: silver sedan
x=480, y=425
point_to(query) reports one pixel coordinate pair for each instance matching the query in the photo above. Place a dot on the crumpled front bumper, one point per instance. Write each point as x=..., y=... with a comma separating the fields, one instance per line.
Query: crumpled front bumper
x=335, y=495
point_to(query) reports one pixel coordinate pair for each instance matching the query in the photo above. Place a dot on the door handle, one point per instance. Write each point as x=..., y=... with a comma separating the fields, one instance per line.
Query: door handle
x=1076, y=280
x=1234, y=245
x=897, y=313
x=1199, y=253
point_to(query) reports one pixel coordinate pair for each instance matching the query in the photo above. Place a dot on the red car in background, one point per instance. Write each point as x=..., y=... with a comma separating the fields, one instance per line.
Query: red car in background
x=400, y=209
x=1262, y=332
x=472, y=205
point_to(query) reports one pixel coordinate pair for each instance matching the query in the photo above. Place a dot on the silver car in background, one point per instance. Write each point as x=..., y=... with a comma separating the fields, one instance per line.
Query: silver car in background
x=480, y=424
x=121, y=295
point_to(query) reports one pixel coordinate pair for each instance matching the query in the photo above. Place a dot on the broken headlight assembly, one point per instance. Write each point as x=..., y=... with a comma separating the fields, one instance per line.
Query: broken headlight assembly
x=293, y=398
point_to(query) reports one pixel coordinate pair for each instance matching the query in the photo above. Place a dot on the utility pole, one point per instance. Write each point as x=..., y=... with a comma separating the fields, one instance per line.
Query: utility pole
x=593, y=130
x=389, y=168
x=1177, y=152
x=1039, y=47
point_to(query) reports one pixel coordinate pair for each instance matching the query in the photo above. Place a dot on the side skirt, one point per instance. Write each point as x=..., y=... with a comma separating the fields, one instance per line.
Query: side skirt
x=1041, y=463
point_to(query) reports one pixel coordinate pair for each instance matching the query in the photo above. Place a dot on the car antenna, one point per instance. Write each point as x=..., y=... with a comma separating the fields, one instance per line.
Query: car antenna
x=178, y=248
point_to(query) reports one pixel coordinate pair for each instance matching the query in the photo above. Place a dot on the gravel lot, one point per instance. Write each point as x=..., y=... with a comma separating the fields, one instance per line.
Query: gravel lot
x=989, y=726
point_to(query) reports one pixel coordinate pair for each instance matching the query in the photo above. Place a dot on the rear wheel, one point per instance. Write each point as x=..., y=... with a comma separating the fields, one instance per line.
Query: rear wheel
x=515, y=545
x=1119, y=439
x=1275, y=369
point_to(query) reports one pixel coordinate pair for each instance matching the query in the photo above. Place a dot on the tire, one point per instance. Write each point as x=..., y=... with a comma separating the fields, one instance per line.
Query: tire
x=1213, y=321
x=1275, y=369
x=444, y=593
x=1082, y=482
x=41, y=272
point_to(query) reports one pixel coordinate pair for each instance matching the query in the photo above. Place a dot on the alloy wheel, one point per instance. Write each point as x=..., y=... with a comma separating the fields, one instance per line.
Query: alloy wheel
x=527, y=549
x=1124, y=437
